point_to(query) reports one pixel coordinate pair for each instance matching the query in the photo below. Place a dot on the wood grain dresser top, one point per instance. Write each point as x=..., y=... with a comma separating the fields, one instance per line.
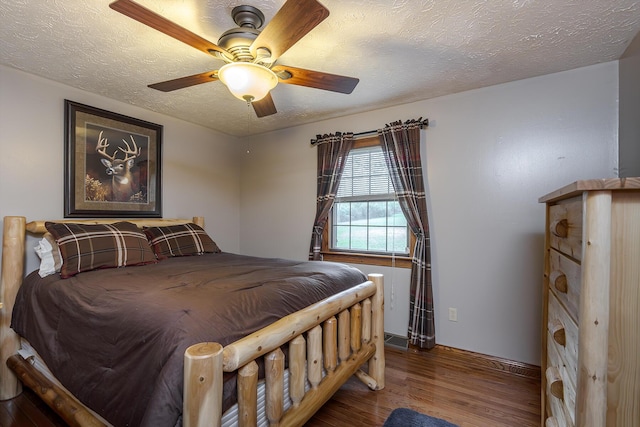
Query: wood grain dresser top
x=578, y=187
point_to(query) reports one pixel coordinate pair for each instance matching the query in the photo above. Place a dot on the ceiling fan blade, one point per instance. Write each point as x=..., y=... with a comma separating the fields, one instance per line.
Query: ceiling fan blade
x=315, y=79
x=264, y=107
x=183, y=82
x=292, y=22
x=142, y=14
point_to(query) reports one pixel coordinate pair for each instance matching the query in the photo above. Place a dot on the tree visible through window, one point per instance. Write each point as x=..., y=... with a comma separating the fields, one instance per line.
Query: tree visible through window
x=366, y=217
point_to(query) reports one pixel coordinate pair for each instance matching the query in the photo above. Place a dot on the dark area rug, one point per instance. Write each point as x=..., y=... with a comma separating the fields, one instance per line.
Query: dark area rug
x=403, y=417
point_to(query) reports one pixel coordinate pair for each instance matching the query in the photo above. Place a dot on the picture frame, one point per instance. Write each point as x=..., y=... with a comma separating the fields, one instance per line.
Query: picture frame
x=112, y=164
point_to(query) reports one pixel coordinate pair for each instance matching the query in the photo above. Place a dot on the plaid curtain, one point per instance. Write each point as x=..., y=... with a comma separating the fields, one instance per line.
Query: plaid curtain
x=401, y=147
x=332, y=155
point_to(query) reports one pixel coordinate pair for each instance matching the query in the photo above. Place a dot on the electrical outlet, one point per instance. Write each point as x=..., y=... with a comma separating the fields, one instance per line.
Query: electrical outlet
x=453, y=314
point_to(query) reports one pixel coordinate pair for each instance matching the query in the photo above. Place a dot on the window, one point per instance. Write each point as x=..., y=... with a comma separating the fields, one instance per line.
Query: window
x=366, y=223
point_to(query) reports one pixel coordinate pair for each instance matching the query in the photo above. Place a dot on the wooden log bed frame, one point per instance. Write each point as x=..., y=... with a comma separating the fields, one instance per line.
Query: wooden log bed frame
x=328, y=342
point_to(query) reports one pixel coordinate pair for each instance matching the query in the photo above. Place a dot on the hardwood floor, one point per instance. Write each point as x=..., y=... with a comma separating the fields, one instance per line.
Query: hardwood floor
x=461, y=387
x=27, y=410
x=464, y=388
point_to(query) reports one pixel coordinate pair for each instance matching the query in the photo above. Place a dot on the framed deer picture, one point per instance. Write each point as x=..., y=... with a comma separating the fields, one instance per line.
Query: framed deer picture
x=112, y=164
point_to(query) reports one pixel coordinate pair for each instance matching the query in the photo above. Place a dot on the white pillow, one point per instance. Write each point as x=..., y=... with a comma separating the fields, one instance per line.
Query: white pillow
x=49, y=253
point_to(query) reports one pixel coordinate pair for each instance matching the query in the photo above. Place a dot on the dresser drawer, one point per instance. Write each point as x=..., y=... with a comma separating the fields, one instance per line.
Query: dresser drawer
x=563, y=336
x=565, y=278
x=560, y=381
x=565, y=227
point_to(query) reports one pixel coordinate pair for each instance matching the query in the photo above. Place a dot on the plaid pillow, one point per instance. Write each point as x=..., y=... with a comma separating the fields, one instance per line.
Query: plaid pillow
x=180, y=240
x=88, y=247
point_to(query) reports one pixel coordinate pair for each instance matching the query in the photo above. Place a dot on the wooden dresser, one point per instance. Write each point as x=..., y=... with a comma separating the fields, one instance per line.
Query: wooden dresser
x=591, y=305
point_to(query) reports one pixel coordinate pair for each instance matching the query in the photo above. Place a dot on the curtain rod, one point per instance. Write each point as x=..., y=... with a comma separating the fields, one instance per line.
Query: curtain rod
x=423, y=124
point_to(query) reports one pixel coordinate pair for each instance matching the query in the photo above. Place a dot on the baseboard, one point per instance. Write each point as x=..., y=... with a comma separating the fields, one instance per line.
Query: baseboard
x=486, y=361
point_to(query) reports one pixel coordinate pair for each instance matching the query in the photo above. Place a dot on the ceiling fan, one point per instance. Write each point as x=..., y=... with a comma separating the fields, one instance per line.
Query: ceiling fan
x=249, y=52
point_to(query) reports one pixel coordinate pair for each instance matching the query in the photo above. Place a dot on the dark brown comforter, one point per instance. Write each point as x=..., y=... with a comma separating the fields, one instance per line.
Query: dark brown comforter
x=116, y=337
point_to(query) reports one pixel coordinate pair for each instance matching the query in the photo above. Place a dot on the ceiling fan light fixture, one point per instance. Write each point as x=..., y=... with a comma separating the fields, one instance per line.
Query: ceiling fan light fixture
x=247, y=81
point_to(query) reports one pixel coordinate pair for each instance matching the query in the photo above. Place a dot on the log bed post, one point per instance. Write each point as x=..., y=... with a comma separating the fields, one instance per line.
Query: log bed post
x=12, y=272
x=202, y=398
x=198, y=220
x=377, y=362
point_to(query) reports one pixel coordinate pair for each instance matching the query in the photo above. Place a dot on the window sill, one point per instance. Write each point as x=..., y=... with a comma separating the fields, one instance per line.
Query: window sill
x=370, y=259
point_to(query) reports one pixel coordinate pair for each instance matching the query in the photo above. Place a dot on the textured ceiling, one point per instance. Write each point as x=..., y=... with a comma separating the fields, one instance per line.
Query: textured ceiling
x=402, y=51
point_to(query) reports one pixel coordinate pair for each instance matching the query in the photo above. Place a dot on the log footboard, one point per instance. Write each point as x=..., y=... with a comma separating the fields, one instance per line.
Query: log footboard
x=330, y=348
x=328, y=342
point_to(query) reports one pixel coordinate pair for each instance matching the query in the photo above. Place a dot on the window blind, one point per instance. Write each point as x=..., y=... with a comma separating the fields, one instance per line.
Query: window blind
x=365, y=173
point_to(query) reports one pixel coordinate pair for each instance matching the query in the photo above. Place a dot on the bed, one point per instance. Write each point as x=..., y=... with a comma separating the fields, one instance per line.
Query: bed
x=295, y=349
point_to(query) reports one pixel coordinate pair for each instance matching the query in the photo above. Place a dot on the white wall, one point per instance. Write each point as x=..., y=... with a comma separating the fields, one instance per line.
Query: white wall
x=629, y=70
x=489, y=155
x=200, y=167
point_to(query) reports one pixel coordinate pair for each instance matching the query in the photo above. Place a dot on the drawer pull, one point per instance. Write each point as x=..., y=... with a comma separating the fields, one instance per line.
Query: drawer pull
x=551, y=422
x=560, y=228
x=557, y=331
x=555, y=382
x=559, y=281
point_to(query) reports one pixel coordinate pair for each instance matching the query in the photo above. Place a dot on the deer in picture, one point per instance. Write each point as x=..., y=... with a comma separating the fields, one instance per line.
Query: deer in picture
x=122, y=187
